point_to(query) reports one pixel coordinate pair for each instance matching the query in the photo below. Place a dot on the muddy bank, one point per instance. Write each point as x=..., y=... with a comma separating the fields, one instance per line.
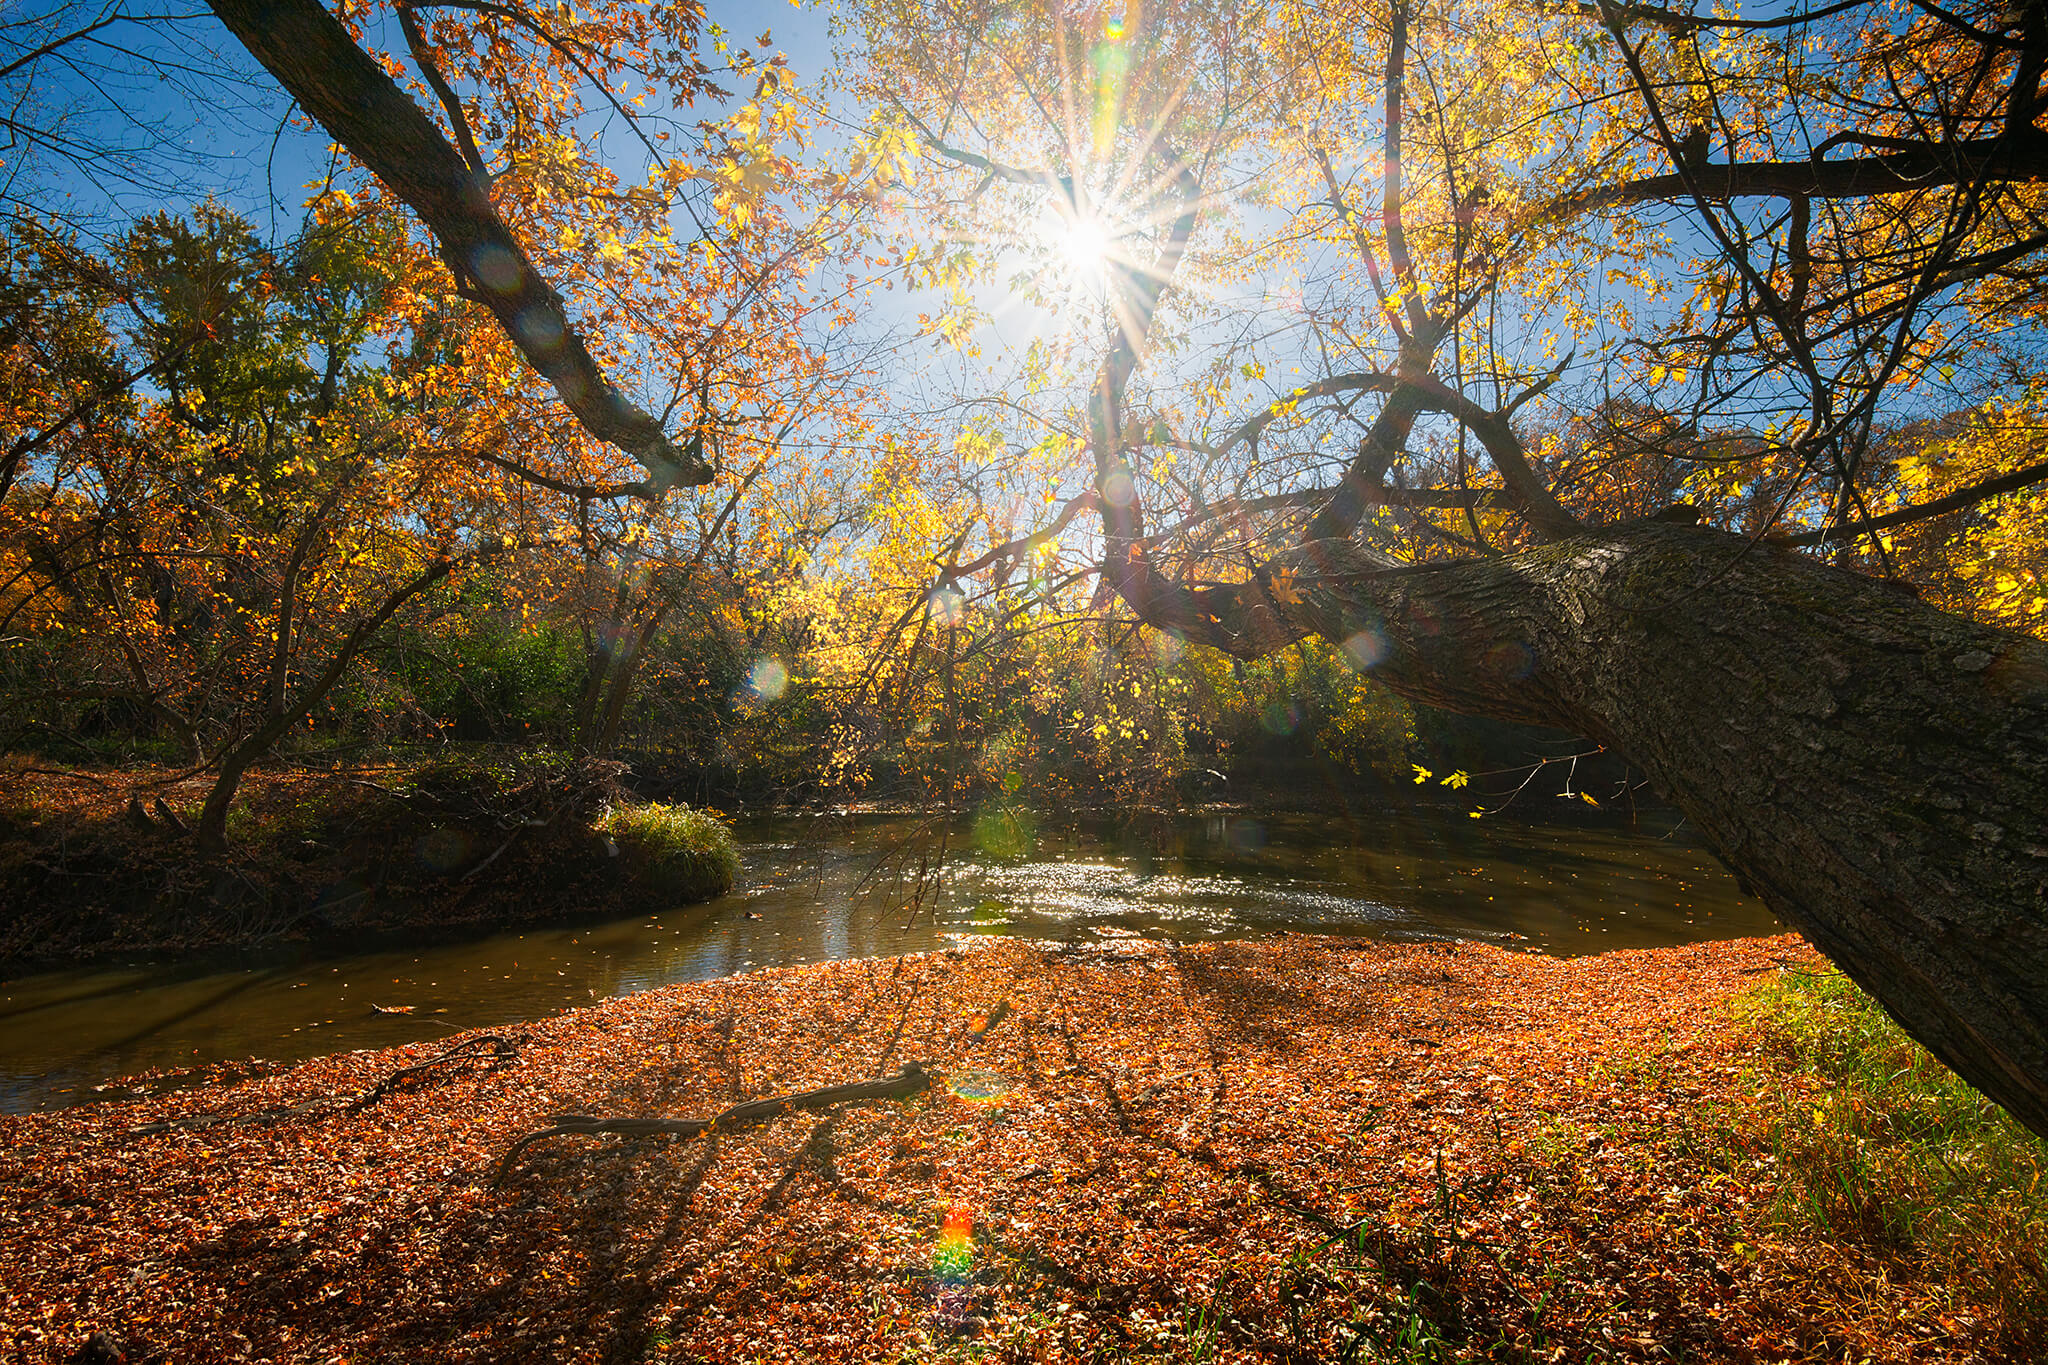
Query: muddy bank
x=99, y=864
x=1301, y=1149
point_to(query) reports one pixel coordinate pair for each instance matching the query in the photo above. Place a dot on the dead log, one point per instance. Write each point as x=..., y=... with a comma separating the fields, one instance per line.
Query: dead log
x=911, y=1080
x=487, y=1047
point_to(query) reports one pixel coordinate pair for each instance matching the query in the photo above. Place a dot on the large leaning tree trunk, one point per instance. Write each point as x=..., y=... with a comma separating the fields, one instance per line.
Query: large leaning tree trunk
x=1875, y=769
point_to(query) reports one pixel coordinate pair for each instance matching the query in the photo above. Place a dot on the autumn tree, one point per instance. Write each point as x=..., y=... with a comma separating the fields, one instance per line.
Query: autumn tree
x=220, y=549
x=581, y=377
x=1532, y=272
x=1531, y=264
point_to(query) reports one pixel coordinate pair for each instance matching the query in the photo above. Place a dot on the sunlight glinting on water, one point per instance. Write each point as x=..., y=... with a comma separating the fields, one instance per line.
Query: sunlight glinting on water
x=807, y=896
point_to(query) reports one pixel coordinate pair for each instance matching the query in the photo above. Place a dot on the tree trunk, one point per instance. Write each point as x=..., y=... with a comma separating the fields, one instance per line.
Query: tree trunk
x=597, y=667
x=1875, y=769
x=220, y=798
x=283, y=715
x=620, y=690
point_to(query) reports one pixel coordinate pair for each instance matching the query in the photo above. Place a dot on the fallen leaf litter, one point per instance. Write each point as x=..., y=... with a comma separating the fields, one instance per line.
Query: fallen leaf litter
x=1297, y=1149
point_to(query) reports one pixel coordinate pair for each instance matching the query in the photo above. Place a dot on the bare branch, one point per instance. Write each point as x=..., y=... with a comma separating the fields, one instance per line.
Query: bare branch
x=1951, y=502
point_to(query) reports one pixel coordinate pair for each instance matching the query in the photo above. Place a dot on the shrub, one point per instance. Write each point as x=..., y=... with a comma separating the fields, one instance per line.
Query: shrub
x=500, y=786
x=687, y=855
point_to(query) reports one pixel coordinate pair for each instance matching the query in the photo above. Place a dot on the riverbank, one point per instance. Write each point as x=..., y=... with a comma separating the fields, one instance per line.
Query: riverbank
x=101, y=864
x=331, y=865
x=1298, y=1149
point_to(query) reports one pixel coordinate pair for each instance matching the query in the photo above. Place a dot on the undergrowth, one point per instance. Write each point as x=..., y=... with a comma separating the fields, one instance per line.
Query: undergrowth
x=1880, y=1144
x=471, y=839
x=684, y=853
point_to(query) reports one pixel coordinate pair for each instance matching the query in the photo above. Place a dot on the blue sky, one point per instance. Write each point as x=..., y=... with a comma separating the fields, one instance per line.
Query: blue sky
x=189, y=114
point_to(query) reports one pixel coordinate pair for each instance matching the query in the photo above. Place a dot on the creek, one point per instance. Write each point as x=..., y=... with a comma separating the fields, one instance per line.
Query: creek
x=815, y=888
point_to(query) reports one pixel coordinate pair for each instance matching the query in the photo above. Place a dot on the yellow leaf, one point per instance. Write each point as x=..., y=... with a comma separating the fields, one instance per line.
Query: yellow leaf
x=1284, y=589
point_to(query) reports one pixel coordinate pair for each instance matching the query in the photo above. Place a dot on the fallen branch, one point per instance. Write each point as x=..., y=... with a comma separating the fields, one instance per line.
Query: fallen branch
x=500, y=1050
x=911, y=1080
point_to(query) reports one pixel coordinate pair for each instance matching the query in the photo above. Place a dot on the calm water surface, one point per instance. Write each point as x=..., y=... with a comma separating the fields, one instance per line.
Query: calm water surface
x=819, y=888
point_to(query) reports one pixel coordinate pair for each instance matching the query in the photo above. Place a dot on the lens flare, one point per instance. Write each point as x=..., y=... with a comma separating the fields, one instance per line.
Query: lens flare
x=948, y=607
x=444, y=850
x=1512, y=658
x=1280, y=717
x=767, y=679
x=977, y=1086
x=1245, y=836
x=954, y=1255
x=1365, y=649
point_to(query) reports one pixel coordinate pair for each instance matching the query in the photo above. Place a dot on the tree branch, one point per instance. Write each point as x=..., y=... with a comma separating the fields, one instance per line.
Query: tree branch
x=423, y=58
x=1090, y=501
x=315, y=60
x=1951, y=502
x=2006, y=159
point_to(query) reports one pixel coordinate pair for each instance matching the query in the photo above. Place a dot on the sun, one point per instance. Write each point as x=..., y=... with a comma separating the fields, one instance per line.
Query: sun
x=1078, y=256
x=1082, y=245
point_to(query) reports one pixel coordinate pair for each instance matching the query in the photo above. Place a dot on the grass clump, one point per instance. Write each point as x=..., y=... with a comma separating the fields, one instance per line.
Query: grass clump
x=1880, y=1143
x=688, y=855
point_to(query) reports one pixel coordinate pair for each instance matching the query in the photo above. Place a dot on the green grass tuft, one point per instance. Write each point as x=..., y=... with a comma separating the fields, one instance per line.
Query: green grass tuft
x=687, y=855
x=1880, y=1143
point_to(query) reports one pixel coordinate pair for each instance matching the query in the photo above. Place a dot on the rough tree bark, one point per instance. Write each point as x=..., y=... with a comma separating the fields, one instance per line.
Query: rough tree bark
x=1875, y=769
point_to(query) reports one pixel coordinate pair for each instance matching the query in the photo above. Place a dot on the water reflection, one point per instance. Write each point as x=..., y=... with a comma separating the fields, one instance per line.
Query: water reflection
x=813, y=890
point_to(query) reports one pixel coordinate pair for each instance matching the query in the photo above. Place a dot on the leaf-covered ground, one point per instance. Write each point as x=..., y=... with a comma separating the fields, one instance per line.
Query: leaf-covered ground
x=1294, y=1150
